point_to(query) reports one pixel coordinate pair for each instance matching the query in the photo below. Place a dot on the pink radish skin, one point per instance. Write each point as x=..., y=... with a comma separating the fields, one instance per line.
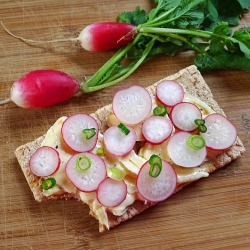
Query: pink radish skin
x=42, y=88
x=89, y=180
x=132, y=105
x=221, y=133
x=159, y=188
x=117, y=143
x=103, y=36
x=157, y=129
x=183, y=115
x=72, y=132
x=96, y=37
x=111, y=193
x=169, y=93
x=45, y=161
x=182, y=154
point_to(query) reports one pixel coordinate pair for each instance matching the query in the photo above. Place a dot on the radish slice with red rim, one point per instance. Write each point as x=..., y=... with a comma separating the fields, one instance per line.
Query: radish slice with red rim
x=111, y=193
x=117, y=142
x=220, y=134
x=184, y=114
x=86, y=171
x=45, y=161
x=156, y=189
x=182, y=154
x=80, y=132
x=169, y=92
x=157, y=129
x=132, y=105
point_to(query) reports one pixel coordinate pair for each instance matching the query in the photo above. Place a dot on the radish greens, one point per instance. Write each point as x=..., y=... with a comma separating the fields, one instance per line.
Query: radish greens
x=174, y=26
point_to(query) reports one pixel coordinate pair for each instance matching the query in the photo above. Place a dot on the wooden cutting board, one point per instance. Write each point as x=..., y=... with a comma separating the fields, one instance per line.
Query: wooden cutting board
x=213, y=213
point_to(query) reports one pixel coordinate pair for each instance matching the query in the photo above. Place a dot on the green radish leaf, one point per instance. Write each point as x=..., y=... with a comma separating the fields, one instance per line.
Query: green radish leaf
x=135, y=17
x=211, y=9
x=222, y=60
x=242, y=37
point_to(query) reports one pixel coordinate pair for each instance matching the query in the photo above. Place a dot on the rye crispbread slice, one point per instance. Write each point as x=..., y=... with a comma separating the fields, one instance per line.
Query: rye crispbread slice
x=194, y=84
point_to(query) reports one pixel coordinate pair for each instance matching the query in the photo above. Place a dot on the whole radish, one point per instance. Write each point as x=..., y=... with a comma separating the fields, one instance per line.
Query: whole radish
x=42, y=88
x=96, y=37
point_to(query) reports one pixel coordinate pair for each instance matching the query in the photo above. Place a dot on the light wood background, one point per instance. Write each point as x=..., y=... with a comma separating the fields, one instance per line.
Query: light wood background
x=213, y=213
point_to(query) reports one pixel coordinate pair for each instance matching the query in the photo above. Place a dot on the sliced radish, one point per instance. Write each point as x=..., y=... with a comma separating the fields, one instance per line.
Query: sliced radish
x=86, y=171
x=117, y=142
x=73, y=132
x=111, y=193
x=221, y=133
x=132, y=105
x=182, y=154
x=184, y=114
x=169, y=92
x=157, y=129
x=159, y=188
x=45, y=161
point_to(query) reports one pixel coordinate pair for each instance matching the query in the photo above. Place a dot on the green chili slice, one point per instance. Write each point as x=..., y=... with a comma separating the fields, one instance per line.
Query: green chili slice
x=116, y=174
x=89, y=133
x=160, y=111
x=100, y=151
x=196, y=142
x=124, y=129
x=48, y=183
x=201, y=125
x=83, y=163
x=155, y=163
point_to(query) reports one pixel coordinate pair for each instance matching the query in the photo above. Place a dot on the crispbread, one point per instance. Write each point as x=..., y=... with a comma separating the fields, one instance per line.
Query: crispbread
x=195, y=85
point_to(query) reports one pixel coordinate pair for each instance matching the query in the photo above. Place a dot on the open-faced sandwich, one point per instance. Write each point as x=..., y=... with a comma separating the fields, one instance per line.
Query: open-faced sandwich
x=139, y=150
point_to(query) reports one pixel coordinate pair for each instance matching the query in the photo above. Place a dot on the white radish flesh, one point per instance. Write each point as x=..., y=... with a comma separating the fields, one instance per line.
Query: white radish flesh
x=184, y=114
x=169, y=92
x=132, y=105
x=157, y=129
x=86, y=181
x=117, y=143
x=182, y=154
x=159, y=188
x=45, y=161
x=72, y=132
x=220, y=134
x=111, y=193
x=42, y=88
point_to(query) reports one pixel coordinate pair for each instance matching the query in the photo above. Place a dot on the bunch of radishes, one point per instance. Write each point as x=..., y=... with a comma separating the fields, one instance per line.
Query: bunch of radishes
x=42, y=88
x=156, y=179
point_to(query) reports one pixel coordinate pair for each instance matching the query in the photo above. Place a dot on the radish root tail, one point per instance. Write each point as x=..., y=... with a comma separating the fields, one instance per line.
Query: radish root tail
x=5, y=101
x=37, y=41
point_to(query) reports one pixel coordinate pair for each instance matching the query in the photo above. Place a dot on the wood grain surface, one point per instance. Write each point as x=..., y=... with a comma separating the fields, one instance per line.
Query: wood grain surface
x=213, y=213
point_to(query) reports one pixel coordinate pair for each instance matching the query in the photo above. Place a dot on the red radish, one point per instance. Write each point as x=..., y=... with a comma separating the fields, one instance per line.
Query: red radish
x=42, y=88
x=220, y=134
x=184, y=114
x=118, y=143
x=45, y=161
x=73, y=132
x=111, y=193
x=132, y=105
x=157, y=129
x=169, y=92
x=159, y=188
x=86, y=171
x=182, y=154
x=97, y=36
